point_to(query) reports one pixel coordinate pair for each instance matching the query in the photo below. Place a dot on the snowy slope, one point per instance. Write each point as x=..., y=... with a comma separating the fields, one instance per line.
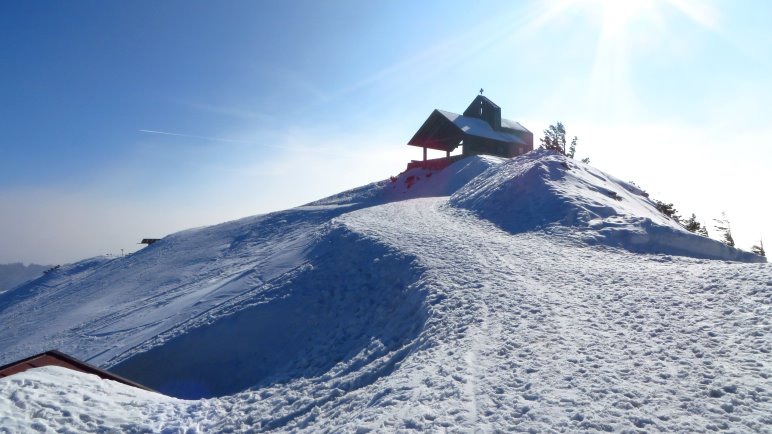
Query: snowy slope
x=542, y=190
x=415, y=183
x=364, y=312
x=104, y=310
x=15, y=274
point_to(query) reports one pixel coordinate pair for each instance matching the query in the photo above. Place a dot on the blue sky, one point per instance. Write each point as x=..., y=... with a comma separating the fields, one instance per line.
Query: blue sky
x=268, y=105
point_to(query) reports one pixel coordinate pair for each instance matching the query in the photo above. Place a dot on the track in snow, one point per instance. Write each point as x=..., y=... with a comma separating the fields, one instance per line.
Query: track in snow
x=544, y=334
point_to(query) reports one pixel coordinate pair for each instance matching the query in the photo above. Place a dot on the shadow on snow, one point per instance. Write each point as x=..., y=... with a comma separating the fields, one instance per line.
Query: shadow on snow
x=355, y=303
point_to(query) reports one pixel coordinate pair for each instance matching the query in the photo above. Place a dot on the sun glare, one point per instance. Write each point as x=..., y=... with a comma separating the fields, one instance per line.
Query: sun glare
x=623, y=27
x=617, y=14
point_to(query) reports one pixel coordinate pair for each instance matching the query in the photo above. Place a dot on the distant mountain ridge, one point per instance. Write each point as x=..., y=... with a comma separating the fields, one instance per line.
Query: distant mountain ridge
x=12, y=275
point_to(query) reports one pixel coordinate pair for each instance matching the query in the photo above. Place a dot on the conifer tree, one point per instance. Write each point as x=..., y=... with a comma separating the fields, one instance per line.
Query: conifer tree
x=669, y=210
x=692, y=225
x=759, y=249
x=725, y=230
x=572, y=149
x=555, y=138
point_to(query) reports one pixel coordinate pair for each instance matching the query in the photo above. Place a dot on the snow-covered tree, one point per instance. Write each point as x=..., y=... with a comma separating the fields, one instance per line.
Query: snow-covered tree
x=759, y=249
x=725, y=230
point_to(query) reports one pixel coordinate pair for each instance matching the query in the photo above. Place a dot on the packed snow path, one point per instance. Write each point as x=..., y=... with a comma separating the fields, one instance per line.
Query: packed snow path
x=543, y=335
x=523, y=332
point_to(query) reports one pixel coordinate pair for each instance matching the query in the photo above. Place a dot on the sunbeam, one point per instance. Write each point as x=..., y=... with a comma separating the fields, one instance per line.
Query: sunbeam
x=622, y=25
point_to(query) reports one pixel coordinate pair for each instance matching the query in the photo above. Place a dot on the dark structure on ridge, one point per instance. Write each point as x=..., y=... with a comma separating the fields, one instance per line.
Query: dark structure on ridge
x=480, y=130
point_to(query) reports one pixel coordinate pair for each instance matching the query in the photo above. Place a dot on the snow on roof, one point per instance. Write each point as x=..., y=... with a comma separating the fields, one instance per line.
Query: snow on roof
x=480, y=128
x=506, y=123
x=57, y=358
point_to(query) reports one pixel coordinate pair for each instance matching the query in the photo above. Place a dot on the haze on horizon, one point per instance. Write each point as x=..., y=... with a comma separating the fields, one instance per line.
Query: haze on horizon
x=124, y=121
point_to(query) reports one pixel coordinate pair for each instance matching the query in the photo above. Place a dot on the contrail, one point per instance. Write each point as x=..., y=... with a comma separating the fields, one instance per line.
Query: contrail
x=221, y=139
x=217, y=139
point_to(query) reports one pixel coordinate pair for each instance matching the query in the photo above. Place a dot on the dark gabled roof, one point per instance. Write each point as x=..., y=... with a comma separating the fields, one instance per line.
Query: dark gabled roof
x=438, y=132
x=512, y=125
x=444, y=130
x=149, y=241
x=56, y=358
x=480, y=128
x=480, y=101
x=486, y=100
x=485, y=109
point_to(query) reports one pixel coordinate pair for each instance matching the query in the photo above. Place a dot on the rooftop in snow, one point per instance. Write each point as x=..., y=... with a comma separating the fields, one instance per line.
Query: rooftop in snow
x=479, y=131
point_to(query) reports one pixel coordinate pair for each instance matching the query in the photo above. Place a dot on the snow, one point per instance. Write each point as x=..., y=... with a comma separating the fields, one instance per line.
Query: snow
x=512, y=125
x=542, y=190
x=301, y=326
x=480, y=128
x=461, y=302
x=15, y=274
x=55, y=399
x=415, y=183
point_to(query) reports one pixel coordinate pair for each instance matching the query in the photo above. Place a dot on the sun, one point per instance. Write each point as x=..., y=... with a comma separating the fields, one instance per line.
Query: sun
x=618, y=14
x=627, y=31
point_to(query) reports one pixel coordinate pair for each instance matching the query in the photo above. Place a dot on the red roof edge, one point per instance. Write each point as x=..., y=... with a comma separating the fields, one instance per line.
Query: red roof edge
x=57, y=358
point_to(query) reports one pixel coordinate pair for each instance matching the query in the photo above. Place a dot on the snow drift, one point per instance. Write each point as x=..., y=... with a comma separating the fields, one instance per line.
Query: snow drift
x=435, y=300
x=202, y=288
x=546, y=191
x=352, y=301
x=414, y=183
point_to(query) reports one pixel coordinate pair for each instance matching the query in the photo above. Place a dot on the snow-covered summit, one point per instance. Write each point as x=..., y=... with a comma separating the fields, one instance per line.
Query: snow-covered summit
x=107, y=309
x=547, y=191
x=435, y=301
x=414, y=183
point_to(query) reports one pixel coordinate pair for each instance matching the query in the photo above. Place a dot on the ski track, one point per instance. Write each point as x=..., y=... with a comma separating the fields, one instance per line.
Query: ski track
x=112, y=317
x=523, y=332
